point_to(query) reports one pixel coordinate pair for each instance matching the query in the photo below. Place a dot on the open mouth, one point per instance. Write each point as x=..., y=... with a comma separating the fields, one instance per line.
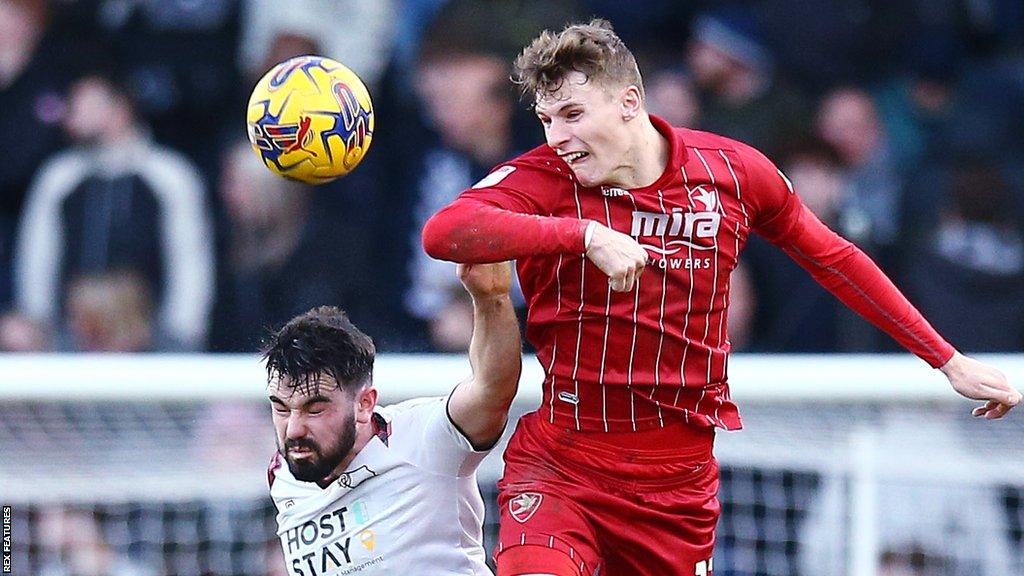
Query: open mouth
x=574, y=158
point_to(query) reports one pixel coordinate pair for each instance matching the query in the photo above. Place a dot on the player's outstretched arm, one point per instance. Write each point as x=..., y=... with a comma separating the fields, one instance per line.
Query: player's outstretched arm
x=479, y=406
x=978, y=381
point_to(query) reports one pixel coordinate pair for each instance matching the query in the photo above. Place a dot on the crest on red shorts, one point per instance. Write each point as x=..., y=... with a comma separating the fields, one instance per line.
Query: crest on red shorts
x=523, y=507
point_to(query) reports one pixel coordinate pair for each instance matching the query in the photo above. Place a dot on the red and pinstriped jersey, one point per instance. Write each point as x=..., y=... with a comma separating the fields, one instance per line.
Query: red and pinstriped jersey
x=659, y=353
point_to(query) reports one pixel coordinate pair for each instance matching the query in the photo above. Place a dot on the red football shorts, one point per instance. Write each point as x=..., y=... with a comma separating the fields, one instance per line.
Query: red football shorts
x=617, y=504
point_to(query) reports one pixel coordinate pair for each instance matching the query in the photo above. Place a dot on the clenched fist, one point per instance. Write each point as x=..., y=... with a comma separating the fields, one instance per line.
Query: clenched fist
x=619, y=256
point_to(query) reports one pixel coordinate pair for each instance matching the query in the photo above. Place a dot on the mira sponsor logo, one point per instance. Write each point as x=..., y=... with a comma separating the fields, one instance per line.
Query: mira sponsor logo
x=680, y=229
x=677, y=223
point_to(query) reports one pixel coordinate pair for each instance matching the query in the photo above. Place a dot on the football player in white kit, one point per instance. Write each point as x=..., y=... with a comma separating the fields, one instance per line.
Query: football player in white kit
x=362, y=489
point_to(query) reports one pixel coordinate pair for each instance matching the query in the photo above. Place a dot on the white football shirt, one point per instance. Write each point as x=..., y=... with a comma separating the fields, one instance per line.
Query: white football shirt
x=408, y=503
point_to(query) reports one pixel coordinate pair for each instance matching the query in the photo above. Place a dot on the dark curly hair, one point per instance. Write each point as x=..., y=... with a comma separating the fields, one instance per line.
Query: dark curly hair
x=321, y=342
x=592, y=49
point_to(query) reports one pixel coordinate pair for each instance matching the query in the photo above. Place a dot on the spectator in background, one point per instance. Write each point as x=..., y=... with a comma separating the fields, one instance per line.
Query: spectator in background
x=463, y=84
x=110, y=312
x=793, y=312
x=117, y=201
x=31, y=88
x=870, y=215
x=969, y=274
x=671, y=94
x=913, y=560
x=273, y=230
x=74, y=545
x=741, y=95
x=20, y=334
x=916, y=106
x=412, y=132
x=266, y=217
x=743, y=305
x=356, y=33
x=285, y=251
x=178, y=58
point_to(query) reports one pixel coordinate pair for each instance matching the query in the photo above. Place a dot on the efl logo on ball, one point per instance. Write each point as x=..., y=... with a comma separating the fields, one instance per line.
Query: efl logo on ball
x=310, y=119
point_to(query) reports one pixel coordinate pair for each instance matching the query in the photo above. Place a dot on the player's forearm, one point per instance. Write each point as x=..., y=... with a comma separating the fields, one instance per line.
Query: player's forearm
x=856, y=280
x=495, y=352
x=876, y=298
x=471, y=231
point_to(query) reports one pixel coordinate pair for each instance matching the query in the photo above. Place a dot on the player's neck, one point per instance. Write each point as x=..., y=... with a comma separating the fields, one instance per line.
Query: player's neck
x=363, y=436
x=647, y=158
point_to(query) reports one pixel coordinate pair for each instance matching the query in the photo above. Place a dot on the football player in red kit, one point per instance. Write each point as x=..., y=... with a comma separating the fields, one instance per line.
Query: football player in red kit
x=625, y=231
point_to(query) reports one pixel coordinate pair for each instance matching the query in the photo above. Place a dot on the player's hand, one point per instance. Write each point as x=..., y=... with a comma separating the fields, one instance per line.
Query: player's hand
x=978, y=381
x=619, y=256
x=484, y=281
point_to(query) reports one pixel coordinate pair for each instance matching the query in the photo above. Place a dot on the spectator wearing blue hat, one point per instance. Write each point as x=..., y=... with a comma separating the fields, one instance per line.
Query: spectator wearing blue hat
x=741, y=95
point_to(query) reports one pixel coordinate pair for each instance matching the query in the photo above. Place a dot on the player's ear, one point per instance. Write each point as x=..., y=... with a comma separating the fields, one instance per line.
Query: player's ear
x=366, y=401
x=630, y=102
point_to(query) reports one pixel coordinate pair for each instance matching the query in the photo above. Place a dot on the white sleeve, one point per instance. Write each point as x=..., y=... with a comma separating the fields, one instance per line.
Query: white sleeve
x=40, y=244
x=425, y=436
x=187, y=234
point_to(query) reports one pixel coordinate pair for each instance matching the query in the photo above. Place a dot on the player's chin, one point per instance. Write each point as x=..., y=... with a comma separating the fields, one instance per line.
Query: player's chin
x=306, y=470
x=586, y=178
x=590, y=173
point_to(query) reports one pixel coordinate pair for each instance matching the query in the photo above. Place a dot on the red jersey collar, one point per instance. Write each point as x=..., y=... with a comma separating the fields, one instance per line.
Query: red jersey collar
x=677, y=154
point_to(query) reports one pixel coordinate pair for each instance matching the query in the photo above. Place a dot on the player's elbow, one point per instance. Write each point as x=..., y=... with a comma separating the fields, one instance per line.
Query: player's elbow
x=439, y=236
x=838, y=255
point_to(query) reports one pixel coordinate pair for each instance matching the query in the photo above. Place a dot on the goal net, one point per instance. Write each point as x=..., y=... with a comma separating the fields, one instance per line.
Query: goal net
x=850, y=465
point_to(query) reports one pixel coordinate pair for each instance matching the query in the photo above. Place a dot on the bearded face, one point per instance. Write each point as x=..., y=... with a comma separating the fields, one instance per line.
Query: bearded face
x=316, y=429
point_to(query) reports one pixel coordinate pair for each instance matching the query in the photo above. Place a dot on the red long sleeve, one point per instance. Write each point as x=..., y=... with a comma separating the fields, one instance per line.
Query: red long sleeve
x=837, y=264
x=470, y=230
x=856, y=280
x=510, y=215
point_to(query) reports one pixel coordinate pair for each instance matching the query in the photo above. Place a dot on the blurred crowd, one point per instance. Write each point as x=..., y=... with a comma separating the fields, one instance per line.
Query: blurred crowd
x=134, y=216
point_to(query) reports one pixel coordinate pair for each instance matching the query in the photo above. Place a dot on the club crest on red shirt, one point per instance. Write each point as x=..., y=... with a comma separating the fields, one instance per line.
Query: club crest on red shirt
x=706, y=195
x=524, y=506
